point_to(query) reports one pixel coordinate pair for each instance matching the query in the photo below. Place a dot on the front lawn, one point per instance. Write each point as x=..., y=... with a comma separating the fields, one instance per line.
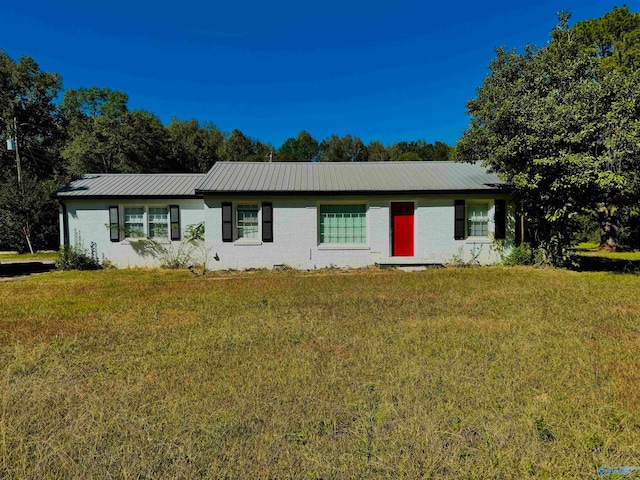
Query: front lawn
x=592, y=258
x=28, y=257
x=451, y=373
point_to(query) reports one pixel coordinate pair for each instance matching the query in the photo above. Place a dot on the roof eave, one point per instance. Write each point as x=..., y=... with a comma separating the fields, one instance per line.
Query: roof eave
x=496, y=189
x=126, y=197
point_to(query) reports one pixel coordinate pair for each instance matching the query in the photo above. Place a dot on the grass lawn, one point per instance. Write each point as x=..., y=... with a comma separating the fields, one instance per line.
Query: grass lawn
x=452, y=373
x=591, y=250
x=28, y=257
x=591, y=258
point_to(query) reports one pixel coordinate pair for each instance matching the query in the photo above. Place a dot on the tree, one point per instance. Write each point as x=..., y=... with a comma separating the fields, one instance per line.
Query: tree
x=562, y=128
x=409, y=157
x=29, y=116
x=237, y=147
x=420, y=150
x=288, y=152
x=302, y=148
x=332, y=150
x=263, y=152
x=193, y=148
x=27, y=100
x=377, y=152
x=103, y=136
x=442, y=151
x=346, y=149
x=615, y=38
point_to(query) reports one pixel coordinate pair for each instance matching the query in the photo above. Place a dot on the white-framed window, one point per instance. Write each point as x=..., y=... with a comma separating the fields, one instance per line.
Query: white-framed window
x=343, y=224
x=134, y=222
x=247, y=221
x=478, y=219
x=145, y=221
x=158, y=221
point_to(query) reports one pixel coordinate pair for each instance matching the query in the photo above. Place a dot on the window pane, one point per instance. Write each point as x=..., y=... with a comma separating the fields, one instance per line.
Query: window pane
x=343, y=224
x=158, y=222
x=247, y=221
x=478, y=219
x=134, y=221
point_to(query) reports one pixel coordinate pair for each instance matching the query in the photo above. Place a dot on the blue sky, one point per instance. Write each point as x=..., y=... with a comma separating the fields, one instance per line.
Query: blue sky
x=388, y=71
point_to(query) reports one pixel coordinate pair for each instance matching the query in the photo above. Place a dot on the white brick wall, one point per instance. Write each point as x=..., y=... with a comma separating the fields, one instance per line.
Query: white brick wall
x=89, y=222
x=295, y=232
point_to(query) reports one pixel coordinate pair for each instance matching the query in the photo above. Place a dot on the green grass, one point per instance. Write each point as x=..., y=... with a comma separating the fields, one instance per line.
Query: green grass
x=452, y=373
x=28, y=257
x=591, y=258
x=630, y=256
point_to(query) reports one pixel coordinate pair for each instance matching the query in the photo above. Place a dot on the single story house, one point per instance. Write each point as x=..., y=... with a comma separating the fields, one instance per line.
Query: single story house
x=304, y=215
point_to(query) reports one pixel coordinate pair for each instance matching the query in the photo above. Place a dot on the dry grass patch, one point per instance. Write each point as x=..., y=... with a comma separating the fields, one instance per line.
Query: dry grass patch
x=469, y=373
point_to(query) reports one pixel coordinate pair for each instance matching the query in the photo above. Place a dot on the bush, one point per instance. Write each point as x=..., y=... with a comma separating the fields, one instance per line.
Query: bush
x=70, y=258
x=171, y=255
x=520, y=255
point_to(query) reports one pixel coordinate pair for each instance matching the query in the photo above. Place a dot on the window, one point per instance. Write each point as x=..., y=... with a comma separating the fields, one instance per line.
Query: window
x=158, y=222
x=240, y=222
x=146, y=221
x=343, y=224
x=134, y=222
x=478, y=219
x=247, y=221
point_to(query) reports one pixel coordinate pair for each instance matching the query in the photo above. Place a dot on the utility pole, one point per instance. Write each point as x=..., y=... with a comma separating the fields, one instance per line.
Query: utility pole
x=18, y=167
x=14, y=146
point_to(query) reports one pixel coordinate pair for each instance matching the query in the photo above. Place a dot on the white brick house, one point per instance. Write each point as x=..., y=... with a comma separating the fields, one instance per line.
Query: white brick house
x=304, y=215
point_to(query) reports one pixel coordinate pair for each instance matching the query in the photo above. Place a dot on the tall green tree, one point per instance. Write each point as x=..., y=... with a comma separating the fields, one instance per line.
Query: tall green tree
x=615, y=38
x=345, y=149
x=28, y=116
x=302, y=148
x=192, y=147
x=563, y=129
x=442, y=151
x=103, y=136
x=237, y=147
x=377, y=152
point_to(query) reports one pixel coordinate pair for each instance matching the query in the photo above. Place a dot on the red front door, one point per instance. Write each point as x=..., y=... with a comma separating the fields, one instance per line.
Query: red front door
x=402, y=229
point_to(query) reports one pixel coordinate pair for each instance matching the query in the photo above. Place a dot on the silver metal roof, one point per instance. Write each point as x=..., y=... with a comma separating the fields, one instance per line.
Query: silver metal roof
x=132, y=185
x=280, y=177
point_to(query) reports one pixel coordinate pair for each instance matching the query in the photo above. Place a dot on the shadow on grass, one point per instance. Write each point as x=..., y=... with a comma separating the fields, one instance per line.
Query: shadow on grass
x=603, y=264
x=15, y=269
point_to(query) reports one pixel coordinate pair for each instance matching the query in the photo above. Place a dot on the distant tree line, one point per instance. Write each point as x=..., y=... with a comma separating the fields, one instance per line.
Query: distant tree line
x=54, y=136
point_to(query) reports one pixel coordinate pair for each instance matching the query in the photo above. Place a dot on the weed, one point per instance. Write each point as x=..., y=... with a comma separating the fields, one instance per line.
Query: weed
x=594, y=443
x=544, y=432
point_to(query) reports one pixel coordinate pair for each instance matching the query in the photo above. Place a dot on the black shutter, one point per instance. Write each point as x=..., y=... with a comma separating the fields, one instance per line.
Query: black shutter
x=267, y=222
x=174, y=217
x=114, y=224
x=65, y=225
x=500, y=219
x=458, y=232
x=227, y=223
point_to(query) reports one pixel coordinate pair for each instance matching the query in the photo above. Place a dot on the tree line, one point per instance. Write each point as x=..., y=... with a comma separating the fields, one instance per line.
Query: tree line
x=54, y=136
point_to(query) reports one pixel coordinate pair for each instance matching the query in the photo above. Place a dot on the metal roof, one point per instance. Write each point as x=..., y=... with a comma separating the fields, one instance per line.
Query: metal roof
x=132, y=185
x=282, y=178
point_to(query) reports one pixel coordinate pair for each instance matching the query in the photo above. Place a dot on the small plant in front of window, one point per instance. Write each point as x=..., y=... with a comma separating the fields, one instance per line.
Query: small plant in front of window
x=170, y=254
x=458, y=260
